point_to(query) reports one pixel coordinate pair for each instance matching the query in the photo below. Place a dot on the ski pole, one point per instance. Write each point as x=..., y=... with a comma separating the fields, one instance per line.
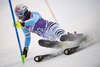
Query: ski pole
x=22, y=56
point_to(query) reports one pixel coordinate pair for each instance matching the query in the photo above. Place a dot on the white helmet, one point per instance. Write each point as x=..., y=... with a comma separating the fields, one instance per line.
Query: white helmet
x=20, y=10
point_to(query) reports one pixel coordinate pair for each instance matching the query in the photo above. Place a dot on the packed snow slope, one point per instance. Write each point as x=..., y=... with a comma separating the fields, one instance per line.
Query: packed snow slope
x=82, y=16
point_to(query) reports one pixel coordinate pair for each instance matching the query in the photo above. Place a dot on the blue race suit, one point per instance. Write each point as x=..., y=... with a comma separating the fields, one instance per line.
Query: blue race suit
x=35, y=24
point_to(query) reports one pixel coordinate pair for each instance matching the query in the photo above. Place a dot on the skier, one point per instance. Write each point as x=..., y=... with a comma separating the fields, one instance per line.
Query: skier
x=32, y=22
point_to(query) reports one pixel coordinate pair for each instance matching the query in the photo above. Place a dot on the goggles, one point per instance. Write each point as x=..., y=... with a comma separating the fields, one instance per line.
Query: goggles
x=19, y=13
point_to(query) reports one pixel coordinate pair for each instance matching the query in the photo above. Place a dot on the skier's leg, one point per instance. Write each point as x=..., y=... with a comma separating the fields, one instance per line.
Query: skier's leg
x=54, y=31
x=59, y=33
x=49, y=40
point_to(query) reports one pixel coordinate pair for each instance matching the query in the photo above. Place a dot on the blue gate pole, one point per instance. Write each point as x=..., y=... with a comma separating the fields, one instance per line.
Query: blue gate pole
x=22, y=56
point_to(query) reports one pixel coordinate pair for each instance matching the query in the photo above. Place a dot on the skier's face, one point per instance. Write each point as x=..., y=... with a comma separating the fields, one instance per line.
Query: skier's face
x=22, y=17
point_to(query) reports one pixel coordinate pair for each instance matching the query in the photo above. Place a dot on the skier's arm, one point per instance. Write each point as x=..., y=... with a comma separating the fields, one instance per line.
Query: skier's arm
x=27, y=37
x=32, y=21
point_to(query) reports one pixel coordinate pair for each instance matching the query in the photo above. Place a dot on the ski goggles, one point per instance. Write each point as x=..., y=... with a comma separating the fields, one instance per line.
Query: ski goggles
x=19, y=13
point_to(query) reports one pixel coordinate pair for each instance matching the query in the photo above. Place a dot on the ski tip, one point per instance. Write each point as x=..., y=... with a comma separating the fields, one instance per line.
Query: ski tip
x=38, y=58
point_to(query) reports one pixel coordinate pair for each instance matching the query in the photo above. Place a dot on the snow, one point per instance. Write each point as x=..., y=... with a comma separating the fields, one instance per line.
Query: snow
x=73, y=15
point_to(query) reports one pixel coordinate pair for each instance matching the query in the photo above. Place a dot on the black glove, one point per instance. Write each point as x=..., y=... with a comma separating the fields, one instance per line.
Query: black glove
x=25, y=51
x=22, y=24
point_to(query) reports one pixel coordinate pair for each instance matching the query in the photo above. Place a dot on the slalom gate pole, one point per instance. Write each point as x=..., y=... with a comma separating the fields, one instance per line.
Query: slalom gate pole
x=51, y=10
x=22, y=56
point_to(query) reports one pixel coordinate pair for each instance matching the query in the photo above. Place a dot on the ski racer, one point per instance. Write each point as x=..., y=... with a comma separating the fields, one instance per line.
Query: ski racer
x=33, y=22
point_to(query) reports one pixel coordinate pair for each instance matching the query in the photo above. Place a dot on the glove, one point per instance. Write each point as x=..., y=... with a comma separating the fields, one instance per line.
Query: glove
x=22, y=24
x=18, y=24
x=25, y=51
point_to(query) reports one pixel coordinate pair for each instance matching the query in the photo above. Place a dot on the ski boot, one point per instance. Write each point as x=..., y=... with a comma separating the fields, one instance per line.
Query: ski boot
x=25, y=51
x=72, y=36
x=74, y=42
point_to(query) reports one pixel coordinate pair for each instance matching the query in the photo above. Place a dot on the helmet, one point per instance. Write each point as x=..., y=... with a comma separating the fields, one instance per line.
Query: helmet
x=20, y=10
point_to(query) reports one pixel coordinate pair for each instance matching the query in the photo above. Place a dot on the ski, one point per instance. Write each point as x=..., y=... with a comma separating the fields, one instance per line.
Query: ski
x=65, y=50
x=44, y=57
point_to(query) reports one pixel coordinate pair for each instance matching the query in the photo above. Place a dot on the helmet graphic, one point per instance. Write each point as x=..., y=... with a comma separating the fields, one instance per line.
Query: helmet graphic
x=20, y=10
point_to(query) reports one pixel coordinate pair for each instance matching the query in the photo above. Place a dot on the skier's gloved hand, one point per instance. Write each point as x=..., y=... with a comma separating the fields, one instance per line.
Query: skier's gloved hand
x=18, y=24
x=25, y=51
x=22, y=24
